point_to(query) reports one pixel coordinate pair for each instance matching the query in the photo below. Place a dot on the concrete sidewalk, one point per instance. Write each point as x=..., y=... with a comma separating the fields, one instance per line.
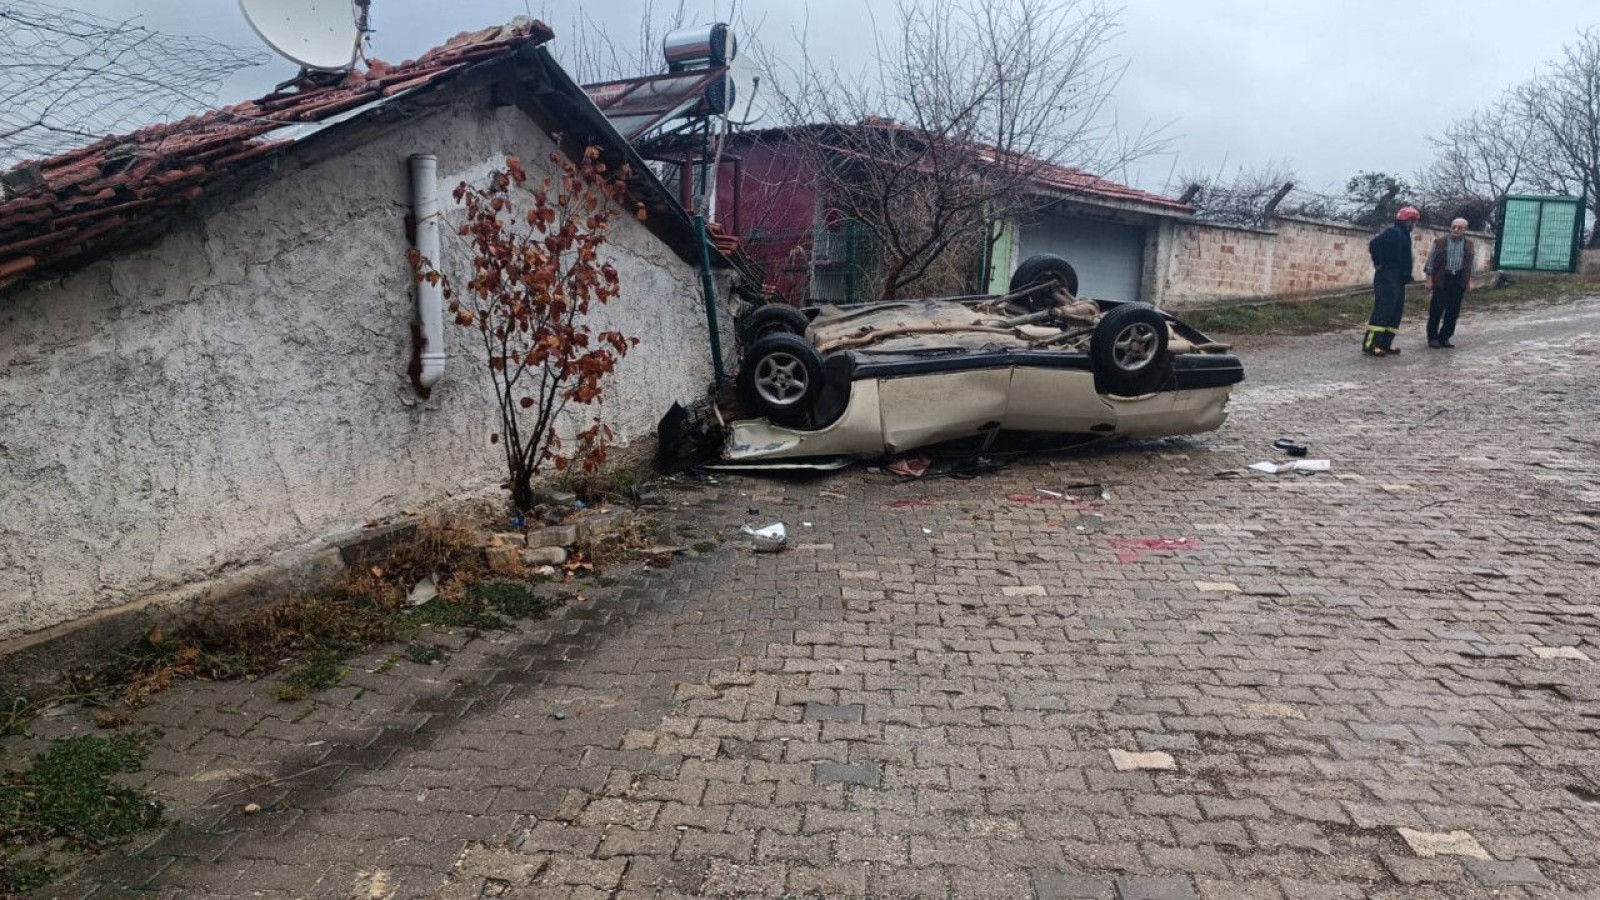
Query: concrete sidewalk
x=1375, y=682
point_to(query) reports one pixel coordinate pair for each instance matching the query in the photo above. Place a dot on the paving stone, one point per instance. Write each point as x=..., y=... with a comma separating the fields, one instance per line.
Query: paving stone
x=1496, y=873
x=1127, y=761
x=1428, y=844
x=821, y=712
x=1155, y=887
x=833, y=773
x=1070, y=886
x=1559, y=653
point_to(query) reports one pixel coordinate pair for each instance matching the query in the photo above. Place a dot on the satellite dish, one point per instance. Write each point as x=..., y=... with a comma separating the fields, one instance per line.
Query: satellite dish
x=750, y=93
x=322, y=35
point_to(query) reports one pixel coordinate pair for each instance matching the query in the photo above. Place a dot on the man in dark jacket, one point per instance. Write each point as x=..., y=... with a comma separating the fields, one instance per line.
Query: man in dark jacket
x=1449, y=274
x=1391, y=272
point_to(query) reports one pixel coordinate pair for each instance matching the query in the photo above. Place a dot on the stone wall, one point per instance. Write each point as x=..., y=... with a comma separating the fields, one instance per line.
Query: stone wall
x=1211, y=264
x=240, y=387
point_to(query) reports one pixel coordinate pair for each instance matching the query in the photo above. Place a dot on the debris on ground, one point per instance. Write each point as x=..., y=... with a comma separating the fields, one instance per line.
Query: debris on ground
x=1090, y=490
x=1133, y=549
x=768, y=539
x=1306, y=466
x=1290, y=447
x=910, y=466
x=645, y=495
x=423, y=591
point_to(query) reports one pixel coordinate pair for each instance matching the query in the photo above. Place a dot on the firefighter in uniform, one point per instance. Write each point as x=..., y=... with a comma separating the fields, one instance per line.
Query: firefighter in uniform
x=1391, y=272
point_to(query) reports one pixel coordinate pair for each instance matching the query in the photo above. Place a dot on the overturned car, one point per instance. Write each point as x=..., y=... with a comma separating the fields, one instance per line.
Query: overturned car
x=866, y=380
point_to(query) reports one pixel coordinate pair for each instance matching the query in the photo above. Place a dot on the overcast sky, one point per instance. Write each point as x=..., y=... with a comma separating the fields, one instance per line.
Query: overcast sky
x=1323, y=87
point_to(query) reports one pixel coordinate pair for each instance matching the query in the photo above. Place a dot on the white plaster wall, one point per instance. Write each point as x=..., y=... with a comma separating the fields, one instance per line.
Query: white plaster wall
x=240, y=387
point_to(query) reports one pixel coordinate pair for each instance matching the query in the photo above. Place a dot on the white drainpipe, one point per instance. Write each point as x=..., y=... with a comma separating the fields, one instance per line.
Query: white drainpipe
x=430, y=297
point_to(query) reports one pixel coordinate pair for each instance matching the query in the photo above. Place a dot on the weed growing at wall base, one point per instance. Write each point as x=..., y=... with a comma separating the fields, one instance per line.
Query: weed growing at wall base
x=66, y=798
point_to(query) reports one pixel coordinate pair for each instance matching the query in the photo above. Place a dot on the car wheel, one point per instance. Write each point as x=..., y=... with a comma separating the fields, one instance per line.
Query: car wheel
x=775, y=318
x=1045, y=266
x=1128, y=347
x=782, y=376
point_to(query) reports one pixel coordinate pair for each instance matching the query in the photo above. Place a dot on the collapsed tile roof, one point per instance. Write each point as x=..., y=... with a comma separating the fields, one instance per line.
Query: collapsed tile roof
x=85, y=200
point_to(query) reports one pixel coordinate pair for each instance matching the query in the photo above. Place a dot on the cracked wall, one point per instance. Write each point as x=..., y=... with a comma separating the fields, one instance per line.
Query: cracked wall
x=239, y=387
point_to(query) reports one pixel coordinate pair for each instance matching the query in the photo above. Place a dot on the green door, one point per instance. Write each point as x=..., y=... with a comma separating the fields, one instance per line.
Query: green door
x=1539, y=234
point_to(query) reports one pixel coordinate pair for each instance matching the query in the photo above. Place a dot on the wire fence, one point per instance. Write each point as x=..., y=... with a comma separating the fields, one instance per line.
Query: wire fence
x=68, y=78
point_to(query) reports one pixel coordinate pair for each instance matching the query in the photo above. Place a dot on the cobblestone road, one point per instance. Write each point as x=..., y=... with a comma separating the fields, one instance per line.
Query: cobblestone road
x=1375, y=682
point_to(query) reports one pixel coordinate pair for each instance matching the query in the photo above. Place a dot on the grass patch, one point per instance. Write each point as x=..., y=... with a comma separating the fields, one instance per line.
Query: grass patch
x=1337, y=313
x=324, y=670
x=424, y=654
x=66, y=800
x=516, y=599
x=445, y=614
x=705, y=547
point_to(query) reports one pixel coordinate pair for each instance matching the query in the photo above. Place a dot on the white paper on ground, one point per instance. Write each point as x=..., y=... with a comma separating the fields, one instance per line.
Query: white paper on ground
x=1299, y=465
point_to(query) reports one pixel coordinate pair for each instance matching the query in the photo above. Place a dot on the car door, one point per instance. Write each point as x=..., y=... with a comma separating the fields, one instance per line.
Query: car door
x=1057, y=399
x=940, y=406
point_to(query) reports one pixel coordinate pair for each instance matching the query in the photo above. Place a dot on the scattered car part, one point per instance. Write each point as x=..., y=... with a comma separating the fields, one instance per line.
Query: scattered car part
x=769, y=539
x=1289, y=447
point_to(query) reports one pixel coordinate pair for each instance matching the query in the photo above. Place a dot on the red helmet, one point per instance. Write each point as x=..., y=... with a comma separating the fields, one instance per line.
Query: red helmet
x=1407, y=214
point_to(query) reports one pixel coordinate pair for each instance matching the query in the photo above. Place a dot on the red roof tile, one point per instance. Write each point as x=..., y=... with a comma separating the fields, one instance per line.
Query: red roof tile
x=85, y=198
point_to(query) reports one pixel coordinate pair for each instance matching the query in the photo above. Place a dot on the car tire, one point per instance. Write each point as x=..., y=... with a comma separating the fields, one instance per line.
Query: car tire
x=1039, y=268
x=781, y=376
x=775, y=318
x=1129, y=348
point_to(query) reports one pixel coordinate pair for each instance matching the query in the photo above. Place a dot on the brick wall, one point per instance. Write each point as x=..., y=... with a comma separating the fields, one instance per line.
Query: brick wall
x=1210, y=264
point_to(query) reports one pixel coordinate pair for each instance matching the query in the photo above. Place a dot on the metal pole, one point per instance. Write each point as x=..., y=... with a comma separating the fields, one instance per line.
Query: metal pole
x=710, y=291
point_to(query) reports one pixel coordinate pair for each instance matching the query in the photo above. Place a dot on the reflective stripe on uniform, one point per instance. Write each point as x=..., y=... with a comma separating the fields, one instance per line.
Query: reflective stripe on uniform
x=1381, y=328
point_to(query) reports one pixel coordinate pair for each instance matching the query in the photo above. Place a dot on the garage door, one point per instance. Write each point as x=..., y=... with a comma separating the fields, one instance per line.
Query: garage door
x=1108, y=256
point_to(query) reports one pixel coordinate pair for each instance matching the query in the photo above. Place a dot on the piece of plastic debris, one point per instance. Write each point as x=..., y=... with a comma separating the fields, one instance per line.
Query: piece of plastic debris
x=517, y=522
x=927, y=531
x=1290, y=447
x=1029, y=498
x=645, y=495
x=1056, y=494
x=911, y=466
x=423, y=591
x=545, y=570
x=252, y=808
x=579, y=504
x=806, y=524
x=769, y=539
x=560, y=715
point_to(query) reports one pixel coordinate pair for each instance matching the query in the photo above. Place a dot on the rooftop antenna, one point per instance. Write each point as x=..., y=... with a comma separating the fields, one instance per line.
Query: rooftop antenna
x=321, y=36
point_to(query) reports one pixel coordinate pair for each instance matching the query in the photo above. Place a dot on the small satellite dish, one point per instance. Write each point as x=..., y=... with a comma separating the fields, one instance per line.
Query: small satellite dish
x=751, y=97
x=322, y=35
